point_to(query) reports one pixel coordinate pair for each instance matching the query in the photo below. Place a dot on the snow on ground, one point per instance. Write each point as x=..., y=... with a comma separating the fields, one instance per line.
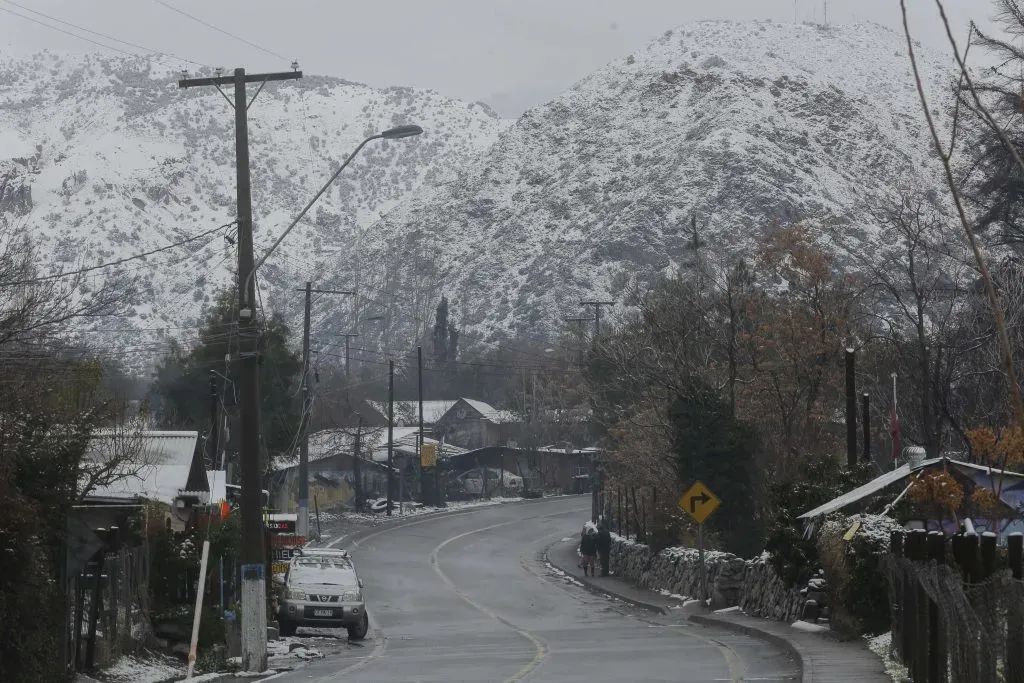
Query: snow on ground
x=727, y=610
x=145, y=667
x=882, y=646
x=807, y=626
x=562, y=575
x=408, y=511
x=674, y=596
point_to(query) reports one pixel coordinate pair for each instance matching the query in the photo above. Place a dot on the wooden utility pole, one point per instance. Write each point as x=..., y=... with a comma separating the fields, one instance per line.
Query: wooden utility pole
x=425, y=493
x=851, y=409
x=597, y=314
x=357, y=465
x=212, y=444
x=302, y=523
x=391, y=432
x=252, y=554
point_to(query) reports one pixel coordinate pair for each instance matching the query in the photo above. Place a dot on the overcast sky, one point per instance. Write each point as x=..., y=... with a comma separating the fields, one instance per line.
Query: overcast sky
x=510, y=53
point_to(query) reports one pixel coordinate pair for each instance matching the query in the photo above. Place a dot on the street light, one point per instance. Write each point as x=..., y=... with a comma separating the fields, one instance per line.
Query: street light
x=396, y=133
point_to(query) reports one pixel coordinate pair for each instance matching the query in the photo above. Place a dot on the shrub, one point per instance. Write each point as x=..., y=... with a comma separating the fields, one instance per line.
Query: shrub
x=857, y=585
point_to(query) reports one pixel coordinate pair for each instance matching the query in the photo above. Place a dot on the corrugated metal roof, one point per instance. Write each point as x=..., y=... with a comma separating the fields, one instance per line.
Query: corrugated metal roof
x=888, y=479
x=160, y=470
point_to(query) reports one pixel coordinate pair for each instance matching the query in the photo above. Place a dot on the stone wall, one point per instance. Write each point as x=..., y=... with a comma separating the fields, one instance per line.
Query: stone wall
x=751, y=584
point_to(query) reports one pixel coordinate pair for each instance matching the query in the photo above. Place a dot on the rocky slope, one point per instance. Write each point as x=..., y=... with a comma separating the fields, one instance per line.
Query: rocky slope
x=104, y=157
x=745, y=125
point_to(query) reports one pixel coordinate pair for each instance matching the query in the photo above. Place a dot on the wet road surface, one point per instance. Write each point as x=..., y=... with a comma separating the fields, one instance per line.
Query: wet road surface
x=468, y=597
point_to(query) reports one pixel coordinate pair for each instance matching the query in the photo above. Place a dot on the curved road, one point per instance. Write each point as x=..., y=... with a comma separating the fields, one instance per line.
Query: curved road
x=468, y=597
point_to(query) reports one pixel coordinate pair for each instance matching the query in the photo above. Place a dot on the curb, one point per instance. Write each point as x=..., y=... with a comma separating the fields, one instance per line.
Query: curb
x=806, y=667
x=598, y=590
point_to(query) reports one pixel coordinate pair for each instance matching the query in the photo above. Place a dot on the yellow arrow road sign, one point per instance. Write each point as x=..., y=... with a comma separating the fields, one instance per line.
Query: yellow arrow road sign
x=699, y=502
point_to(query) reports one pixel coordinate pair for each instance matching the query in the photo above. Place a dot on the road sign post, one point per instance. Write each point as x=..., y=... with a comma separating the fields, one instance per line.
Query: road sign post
x=699, y=502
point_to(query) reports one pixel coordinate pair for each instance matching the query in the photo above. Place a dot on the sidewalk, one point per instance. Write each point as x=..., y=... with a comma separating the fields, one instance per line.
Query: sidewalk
x=821, y=656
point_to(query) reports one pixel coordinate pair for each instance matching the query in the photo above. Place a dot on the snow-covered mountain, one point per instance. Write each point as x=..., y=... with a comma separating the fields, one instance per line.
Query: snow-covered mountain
x=745, y=125
x=104, y=157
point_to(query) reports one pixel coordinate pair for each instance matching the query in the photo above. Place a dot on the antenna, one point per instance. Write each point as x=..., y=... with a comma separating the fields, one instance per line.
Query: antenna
x=826, y=13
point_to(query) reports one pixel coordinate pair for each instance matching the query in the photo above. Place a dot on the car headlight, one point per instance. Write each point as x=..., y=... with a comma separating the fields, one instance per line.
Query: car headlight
x=352, y=596
x=293, y=594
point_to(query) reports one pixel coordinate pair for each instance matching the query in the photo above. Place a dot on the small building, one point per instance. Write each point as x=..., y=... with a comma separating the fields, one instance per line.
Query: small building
x=474, y=424
x=892, y=486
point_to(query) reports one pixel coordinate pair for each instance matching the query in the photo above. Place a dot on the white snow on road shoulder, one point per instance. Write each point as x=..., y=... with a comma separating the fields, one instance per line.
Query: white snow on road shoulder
x=727, y=610
x=808, y=626
x=143, y=668
x=882, y=646
x=674, y=596
x=562, y=575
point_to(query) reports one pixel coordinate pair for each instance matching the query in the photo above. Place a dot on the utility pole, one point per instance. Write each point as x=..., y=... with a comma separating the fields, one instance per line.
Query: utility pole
x=597, y=314
x=391, y=431
x=252, y=554
x=302, y=523
x=213, y=447
x=851, y=409
x=357, y=466
x=579, y=331
x=425, y=492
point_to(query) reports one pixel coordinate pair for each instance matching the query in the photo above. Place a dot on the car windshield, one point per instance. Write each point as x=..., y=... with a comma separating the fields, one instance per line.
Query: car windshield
x=322, y=576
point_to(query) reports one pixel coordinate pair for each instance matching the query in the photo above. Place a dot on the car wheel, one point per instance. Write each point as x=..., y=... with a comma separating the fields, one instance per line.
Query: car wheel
x=286, y=628
x=358, y=631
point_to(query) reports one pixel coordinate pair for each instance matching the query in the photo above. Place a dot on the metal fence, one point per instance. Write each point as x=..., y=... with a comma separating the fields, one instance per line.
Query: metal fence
x=957, y=607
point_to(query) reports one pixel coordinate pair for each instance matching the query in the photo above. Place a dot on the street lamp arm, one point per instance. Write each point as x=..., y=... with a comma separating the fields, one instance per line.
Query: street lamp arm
x=306, y=208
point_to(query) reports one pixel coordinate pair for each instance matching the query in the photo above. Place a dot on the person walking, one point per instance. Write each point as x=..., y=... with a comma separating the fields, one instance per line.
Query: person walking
x=604, y=547
x=588, y=551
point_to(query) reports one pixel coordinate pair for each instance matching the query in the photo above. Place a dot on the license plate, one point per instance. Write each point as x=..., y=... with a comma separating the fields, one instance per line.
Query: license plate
x=323, y=613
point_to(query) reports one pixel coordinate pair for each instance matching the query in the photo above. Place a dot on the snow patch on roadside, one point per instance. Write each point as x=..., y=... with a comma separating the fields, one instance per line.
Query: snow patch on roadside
x=882, y=646
x=563, y=575
x=146, y=667
x=807, y=626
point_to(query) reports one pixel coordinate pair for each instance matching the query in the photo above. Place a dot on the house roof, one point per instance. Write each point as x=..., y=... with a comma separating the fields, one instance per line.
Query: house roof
x=886, y=480
x=159, y=471
x=488, y=412
x=407, y=412
x=374, y=441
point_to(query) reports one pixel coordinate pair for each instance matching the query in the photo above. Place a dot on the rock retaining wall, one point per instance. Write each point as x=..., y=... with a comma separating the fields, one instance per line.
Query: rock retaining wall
x=751, y=584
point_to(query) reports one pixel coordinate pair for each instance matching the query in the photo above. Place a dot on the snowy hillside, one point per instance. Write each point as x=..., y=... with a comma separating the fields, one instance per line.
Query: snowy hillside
x=744, y=124
x=105, y=157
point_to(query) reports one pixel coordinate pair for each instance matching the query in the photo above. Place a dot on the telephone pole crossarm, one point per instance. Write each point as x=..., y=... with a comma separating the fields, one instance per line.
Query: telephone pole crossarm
x=597, y=314
x=230, y=80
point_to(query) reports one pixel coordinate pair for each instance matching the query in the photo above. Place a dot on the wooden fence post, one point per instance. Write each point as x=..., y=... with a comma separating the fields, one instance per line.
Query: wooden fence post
x=1014, y=618
x=937, y=661
x=921, y=653
x=972, y=572
x=988, y=555
x=911, y=637
x=896, y=608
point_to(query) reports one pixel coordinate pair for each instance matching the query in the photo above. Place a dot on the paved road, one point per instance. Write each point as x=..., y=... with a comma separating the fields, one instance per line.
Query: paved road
x=469, y=598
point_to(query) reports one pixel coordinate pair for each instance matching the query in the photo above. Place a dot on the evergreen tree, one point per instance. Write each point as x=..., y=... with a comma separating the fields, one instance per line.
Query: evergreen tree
x=441, y=333
x=714, y=447
x=181, y=393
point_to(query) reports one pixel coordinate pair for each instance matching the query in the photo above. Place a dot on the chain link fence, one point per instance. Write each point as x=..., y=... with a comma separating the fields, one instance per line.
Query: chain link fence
x=957, y=617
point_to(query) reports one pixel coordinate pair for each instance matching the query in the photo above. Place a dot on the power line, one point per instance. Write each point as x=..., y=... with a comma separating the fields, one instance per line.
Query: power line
x=97, y=33
x=219, y=30
x=58, y=276
x=73, y=35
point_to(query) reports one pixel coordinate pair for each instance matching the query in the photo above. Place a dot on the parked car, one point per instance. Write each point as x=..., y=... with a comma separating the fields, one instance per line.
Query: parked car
x=322, y=590
x=471, y=482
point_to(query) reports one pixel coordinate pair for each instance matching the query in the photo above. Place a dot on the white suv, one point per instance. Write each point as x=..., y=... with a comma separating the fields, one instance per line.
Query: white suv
x=321, y=589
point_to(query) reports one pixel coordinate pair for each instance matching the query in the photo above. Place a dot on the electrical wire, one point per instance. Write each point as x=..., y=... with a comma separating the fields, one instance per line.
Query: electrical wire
x=57, y=276
x=73, y=35
x=220, y=30
x=97, y=33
